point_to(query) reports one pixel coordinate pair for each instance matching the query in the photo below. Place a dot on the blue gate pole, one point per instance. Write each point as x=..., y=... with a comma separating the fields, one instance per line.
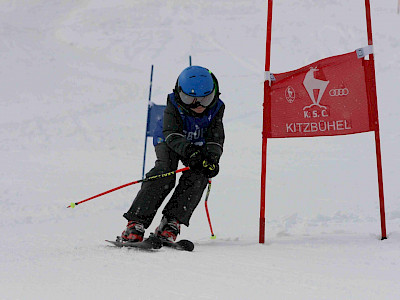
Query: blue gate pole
x=190, y=60
x=147, y=123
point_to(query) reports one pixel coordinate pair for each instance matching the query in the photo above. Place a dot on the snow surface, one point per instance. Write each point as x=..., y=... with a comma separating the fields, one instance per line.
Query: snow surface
x=74, y=83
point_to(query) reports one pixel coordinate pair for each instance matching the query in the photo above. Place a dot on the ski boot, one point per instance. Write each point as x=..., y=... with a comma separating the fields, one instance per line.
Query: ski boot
x=133, y=232
x=168, y=229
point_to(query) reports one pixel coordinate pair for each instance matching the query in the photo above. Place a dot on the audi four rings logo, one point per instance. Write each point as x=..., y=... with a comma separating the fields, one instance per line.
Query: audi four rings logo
x=339, y=92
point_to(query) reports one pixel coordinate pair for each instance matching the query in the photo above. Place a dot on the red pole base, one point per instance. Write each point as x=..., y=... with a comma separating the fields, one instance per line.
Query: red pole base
x=262, y=231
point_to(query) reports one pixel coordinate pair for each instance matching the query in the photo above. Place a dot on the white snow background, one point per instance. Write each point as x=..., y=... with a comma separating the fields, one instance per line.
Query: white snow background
x=74, y=84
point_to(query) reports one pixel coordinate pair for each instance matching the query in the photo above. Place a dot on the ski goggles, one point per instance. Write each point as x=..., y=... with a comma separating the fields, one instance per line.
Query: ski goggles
x=194, y=102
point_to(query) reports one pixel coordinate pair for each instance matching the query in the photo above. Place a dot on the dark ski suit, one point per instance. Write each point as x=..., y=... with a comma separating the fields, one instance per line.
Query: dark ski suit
x=181, y=128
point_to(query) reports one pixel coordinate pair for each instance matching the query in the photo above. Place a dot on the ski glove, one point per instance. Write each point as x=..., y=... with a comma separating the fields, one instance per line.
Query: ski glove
x=196, y=157
x=210, y=170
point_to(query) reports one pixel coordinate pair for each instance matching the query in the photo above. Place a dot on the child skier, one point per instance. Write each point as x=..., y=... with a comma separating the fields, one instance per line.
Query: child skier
x=192, y=132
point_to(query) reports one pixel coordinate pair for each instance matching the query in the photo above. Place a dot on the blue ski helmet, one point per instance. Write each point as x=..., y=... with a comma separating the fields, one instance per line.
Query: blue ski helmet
x=196, y=86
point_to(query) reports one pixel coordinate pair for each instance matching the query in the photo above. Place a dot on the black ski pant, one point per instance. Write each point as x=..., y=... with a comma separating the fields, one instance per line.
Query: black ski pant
x=184, y=199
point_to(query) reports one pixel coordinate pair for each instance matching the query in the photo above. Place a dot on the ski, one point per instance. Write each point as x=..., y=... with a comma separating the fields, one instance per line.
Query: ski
x=153, y=243
x=183, y=245
x=149, y=244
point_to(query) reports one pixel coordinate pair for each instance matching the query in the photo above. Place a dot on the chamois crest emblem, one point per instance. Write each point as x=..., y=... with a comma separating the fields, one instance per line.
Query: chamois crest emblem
x=311, y=83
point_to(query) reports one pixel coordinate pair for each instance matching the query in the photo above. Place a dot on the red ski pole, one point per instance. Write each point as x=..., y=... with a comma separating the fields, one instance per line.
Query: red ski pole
x=155, y=177
x=208, y=214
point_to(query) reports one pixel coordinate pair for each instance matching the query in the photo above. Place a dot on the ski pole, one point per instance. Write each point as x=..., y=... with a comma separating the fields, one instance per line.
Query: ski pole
x=213, y=237
x=155, y=177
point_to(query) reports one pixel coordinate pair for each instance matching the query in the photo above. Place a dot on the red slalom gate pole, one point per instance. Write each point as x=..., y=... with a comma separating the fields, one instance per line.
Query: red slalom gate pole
x=266, y=114
x=155, y=177
x=376, y=119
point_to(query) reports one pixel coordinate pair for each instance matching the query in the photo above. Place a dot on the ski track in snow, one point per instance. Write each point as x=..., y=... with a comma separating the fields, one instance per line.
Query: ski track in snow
x=74, y=87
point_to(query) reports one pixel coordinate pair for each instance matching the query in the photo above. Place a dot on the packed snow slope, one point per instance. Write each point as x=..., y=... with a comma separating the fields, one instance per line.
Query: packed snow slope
x=74, y=84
